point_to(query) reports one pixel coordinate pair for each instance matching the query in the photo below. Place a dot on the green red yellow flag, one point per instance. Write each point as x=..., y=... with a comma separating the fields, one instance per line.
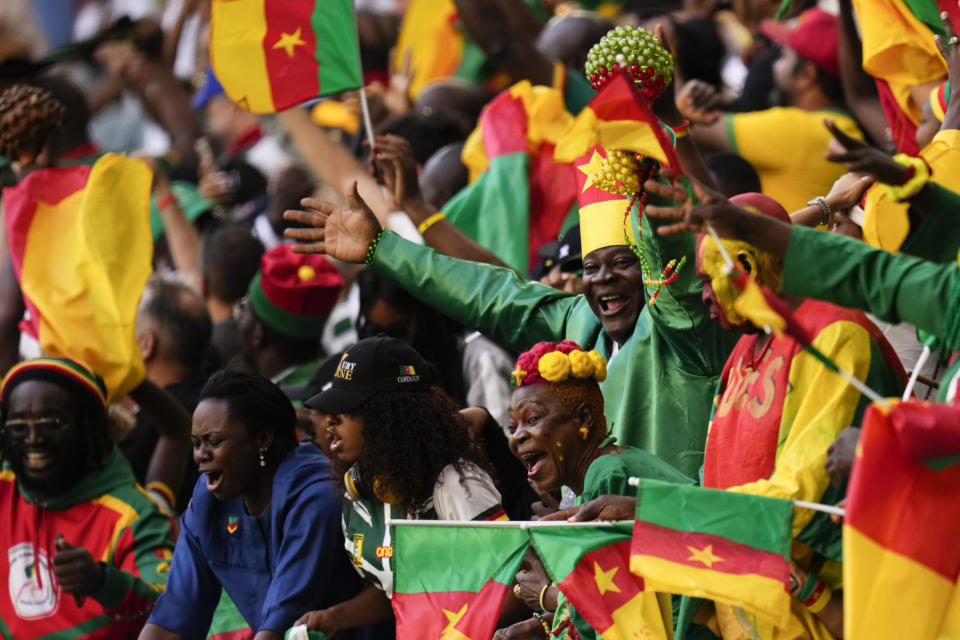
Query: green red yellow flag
x=901, y=560
x=618, y=117
x=450, y=581
x=270, y=55
x=728, y=547
x=521, y=198
x=81, y=248
x=591, y=567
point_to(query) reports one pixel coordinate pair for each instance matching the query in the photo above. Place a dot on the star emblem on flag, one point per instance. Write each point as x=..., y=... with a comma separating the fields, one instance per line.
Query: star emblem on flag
x=705, y=555
x=449, y=633
x=590, y=169
x=289, y=41
x=604, y=579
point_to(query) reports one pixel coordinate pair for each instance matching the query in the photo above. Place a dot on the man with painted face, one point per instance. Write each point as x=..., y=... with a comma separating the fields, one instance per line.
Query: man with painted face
x=778, y=409
x=663, y=359
x=87, y=551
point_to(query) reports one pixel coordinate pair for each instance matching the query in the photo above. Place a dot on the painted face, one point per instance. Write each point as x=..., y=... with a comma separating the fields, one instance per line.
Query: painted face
x=225, y=450
x=613, y=285
x=718, y=291
x=41, y=438
x=544, y=436
x=346, y=437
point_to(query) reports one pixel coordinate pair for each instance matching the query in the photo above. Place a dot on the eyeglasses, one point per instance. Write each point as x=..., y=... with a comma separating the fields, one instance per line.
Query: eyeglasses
x=239, y=306
x=47, y=427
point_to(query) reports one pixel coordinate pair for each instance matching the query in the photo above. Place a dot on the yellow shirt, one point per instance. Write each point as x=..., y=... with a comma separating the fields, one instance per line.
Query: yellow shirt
x=786, y=146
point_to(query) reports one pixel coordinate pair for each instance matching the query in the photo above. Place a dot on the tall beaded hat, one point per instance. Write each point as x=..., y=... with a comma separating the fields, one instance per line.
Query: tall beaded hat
x=617, y=143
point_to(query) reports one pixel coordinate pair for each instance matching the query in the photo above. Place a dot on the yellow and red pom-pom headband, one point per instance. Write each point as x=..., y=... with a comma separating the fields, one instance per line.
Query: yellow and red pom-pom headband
x=552, y=362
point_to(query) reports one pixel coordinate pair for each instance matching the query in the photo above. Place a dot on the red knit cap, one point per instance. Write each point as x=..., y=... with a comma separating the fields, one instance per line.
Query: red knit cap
x=293, y=293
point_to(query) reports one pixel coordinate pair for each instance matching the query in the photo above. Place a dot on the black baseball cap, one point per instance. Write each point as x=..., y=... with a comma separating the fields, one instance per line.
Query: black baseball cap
x=369, y=367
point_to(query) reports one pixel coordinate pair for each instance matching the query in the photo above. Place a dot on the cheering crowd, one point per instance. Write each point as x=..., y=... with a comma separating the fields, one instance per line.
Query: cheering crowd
x=553, y=249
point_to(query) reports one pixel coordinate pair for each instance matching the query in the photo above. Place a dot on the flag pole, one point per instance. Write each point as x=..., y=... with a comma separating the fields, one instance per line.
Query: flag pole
x=634, y=481
x=723, y=249
x=364, y=105
x=911, y=383
x=501, y=524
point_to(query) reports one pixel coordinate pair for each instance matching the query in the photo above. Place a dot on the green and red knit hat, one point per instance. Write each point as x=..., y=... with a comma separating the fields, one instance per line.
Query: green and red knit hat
x=59, y=371
x=293, y=293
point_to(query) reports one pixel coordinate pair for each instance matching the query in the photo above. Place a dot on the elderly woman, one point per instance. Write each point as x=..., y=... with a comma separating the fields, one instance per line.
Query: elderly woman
x=559, y=432
x=404, y=451
x=263, y=523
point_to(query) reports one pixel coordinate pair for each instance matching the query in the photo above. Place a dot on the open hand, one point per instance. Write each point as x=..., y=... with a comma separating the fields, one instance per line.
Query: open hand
x=76, y=570
x=714, y=209
x=344, y=233
x=698, y=102
x=949, y=47
x=398, y=170
x=859, y=157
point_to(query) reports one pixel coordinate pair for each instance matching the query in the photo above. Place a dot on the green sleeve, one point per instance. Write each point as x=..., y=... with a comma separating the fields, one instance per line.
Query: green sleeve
x=892, y=286
x=937, y=238
x=512, y=311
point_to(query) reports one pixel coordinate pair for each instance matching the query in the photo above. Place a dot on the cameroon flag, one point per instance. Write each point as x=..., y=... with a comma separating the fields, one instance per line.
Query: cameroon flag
x=450, y=581
x=728, y=547
x=591, y=566
x=270, y=55
x=901, y=558
x=81, y=247
x=618, y=118
x=521, y=197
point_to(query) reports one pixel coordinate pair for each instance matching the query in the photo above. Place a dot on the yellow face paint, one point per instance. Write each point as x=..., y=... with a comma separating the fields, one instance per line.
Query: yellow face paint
x=710, y=262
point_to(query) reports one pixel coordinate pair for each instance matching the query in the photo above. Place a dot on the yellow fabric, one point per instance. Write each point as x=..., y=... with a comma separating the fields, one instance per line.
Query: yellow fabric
x=818, y=406
x=589, y=130
x=759, y=593
x=786, y=146
x=547, y=120
x=885, y=221
x=896, y=583
x=334, y=114
x=898, y=48
x=603, y=224
x=237, y=29
x=436, y=46
x=751, y=305
x=128, y=515
x=645, y=615
x=801, y=625
x=86, y=262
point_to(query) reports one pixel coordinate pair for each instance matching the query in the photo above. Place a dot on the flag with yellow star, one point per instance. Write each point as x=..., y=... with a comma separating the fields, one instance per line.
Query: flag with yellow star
x=450, y=582
x=519, y=198
x=270, y=55
x=591, y=567
x=728, y=547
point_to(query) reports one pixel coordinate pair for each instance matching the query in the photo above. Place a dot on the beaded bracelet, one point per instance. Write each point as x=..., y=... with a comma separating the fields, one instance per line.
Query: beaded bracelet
x=918, y=174
x=543, y=623
x=368, y=260
x=429, y=222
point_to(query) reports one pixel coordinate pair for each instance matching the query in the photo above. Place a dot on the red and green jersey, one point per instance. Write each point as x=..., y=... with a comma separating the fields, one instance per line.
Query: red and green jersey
x=450, y=581
x=108, y=514
x=778, y=410
x=591, y=566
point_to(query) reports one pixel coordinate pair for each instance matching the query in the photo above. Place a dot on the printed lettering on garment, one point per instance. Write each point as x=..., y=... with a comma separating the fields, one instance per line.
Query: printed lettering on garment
x=33, y=592
x=753, y=389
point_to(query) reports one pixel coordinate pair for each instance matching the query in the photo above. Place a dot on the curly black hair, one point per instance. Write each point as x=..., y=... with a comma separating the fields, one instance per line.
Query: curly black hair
x=408, y=438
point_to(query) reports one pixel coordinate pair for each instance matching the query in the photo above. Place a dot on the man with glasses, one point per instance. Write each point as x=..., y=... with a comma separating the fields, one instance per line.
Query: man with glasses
x=87, y=551
x=282, y=317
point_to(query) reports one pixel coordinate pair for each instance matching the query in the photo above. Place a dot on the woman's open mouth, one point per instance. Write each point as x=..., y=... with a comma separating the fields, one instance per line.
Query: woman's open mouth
x=214, y=478
x=533, y=461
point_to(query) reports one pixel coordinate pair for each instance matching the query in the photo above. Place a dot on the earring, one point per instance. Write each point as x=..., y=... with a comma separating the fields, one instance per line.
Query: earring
x=263, y=462
x=584, y=433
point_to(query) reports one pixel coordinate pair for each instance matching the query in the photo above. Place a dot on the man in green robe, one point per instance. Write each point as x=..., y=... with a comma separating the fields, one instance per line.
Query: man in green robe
x=664, y=359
